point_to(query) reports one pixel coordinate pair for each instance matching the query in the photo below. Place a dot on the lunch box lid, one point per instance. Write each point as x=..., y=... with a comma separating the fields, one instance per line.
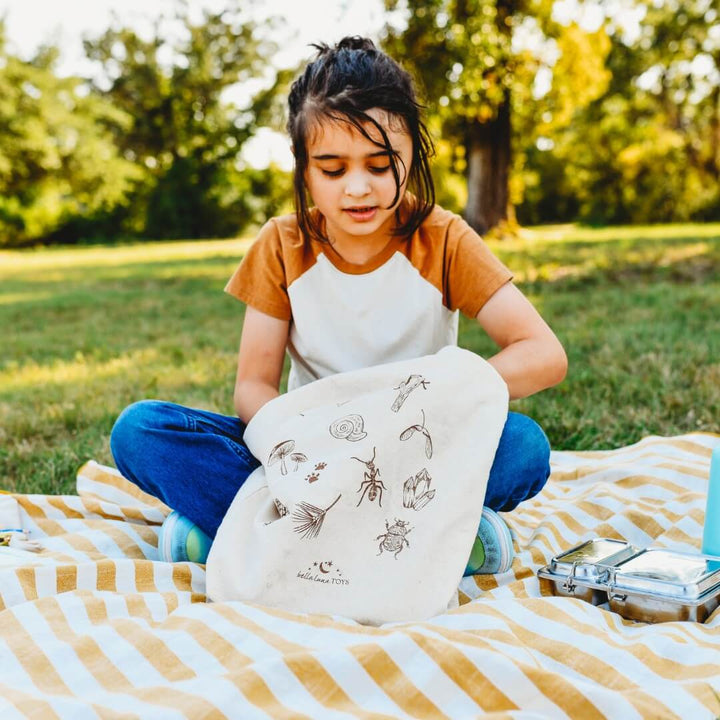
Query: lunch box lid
x=668, y=573
x=589, y=560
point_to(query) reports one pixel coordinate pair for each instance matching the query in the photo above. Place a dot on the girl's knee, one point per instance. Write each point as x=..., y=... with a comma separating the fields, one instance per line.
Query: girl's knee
x=522, y=463
x=134, y=423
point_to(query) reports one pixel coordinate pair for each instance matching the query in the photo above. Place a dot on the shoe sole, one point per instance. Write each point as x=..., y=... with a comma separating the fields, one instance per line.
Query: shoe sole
x=502, y=532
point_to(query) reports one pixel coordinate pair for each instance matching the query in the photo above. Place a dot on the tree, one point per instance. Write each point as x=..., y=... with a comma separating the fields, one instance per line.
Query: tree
x=184, y=135
x=457, y=51
x=479, y=83
x=646, y=148
x=57, y=155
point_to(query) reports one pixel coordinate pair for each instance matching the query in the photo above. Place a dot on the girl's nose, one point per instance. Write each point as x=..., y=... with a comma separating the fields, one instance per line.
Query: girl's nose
x=357, y=184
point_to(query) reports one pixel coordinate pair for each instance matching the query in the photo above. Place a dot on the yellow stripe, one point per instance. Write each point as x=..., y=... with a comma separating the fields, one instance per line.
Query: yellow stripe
x=86, y=647
x=27, y=705
x=58, y=502
x=309, y=671
x=31, y=656
x=255, y=689
x=666, y=668
x=154, y=650
x=320, y=684
x=99, y=474
x=464, y=674
x=388, y=675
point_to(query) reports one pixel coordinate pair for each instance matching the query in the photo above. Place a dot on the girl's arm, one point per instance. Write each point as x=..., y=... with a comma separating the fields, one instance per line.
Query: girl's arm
x=260, y=362
x=531, y=358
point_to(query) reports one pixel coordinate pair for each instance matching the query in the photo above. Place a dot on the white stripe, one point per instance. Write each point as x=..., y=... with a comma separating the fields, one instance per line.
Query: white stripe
x=11, y=589
x=46, y=581
x=60, y=655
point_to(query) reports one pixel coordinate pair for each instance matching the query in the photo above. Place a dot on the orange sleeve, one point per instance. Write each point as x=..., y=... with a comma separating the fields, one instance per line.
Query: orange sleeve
x=472, y=273
x=260, y=280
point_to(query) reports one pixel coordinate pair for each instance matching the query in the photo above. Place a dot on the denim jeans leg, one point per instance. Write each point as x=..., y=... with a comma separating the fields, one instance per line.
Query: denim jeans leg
x=521, y=466
x=193, y=460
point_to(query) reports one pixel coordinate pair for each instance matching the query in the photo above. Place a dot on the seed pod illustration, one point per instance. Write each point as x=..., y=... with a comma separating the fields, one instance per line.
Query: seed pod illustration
x=350, y=427
x=409, y=432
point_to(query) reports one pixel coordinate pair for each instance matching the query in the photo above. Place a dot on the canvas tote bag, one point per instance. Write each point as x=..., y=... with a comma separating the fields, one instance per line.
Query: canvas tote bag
x=370, y=491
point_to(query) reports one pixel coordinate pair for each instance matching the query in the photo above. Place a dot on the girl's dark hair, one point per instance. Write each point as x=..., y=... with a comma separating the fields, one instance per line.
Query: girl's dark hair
x=341, y=84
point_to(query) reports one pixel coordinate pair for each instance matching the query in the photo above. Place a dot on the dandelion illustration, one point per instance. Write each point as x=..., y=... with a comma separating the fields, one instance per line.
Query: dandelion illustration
x=309, y=518
x=409, y=432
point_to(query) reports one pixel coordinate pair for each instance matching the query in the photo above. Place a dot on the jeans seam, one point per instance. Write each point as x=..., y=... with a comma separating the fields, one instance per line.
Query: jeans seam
x=240, y=451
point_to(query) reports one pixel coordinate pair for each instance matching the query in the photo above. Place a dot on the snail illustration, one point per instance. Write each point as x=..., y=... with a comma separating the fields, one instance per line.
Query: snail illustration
x=350, y=427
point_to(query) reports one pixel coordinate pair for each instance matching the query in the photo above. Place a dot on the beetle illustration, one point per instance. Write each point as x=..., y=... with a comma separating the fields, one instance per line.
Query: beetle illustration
x=371, y=485
x=394, y=539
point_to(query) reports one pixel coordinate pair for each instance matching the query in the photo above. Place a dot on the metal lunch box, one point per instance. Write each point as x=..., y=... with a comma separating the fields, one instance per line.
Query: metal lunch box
x=580, y=571
x=652, y=585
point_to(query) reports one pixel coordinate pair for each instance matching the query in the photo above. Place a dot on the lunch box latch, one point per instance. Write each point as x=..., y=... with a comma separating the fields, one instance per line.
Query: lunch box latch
x=569, y=583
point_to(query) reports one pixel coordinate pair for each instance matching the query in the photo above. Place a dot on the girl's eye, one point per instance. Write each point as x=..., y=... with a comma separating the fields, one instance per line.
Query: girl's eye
x=333, y=173
x=379, y=170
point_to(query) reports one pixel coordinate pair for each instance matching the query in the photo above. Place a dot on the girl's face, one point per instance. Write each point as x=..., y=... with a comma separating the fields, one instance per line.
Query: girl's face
x=351, y=181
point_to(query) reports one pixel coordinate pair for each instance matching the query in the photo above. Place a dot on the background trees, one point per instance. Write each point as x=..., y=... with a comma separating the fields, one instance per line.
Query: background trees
x=537, y=119
x=58, y=160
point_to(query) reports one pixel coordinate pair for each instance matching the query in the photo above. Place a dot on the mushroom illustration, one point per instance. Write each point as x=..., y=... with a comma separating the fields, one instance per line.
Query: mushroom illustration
x=280, y=452
x=298, y=458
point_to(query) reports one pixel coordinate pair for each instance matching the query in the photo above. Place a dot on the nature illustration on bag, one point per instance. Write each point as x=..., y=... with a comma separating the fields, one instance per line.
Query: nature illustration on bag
x=406, y=387
x=283, y=450
x=350, y=427
x=409, y=432
x=416, y=491
x=309, y=518
x=394, y=539
x=371, y=485
x=314, y=476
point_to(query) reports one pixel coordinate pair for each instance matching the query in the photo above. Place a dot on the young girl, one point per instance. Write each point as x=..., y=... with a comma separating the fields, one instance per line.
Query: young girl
x=372, y=273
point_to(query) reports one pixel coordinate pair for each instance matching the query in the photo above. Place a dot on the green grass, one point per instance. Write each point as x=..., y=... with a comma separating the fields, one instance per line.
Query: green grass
x=86, y=331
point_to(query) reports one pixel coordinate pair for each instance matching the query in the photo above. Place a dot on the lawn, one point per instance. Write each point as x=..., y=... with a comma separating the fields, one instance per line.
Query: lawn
x=86, y=331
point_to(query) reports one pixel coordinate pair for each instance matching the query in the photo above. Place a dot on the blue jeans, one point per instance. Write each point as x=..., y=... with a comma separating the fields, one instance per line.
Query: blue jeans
x=195, y=461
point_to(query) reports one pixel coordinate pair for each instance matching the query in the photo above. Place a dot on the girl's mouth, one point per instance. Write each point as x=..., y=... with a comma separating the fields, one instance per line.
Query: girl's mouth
x=361, y=213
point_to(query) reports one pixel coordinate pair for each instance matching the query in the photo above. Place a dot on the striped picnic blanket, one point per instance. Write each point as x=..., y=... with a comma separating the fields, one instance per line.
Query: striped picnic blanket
x=94, y=626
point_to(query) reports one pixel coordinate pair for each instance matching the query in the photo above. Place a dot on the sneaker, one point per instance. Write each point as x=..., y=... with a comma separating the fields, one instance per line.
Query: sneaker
x=180, y=540
x=492, y=551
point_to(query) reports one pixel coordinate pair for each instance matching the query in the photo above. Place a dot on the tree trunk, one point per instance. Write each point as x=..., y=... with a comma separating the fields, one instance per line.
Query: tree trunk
x=487, y=149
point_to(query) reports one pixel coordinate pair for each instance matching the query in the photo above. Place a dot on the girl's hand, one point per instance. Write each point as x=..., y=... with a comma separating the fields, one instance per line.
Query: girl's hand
x=531, y=357
x=260, y=362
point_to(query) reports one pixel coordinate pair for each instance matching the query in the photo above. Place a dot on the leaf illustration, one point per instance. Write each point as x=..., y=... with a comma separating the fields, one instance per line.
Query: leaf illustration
x=428, y=446
x=310, y=518
x=409, y=432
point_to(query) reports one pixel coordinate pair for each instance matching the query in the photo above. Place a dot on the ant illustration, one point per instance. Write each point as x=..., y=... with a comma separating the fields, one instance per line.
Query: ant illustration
x=371, y=485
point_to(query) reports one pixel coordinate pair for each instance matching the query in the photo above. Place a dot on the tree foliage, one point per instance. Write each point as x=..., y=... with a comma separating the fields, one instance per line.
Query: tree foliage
x=646, y=149
x=478, y=82
x=548, y=118
x=184, y=135
x=58, y=158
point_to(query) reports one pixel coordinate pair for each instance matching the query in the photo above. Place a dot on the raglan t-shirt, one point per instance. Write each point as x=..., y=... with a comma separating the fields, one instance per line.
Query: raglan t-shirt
x=402, y=303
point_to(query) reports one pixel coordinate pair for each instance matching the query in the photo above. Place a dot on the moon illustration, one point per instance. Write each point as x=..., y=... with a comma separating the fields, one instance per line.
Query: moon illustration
x=322, y=569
